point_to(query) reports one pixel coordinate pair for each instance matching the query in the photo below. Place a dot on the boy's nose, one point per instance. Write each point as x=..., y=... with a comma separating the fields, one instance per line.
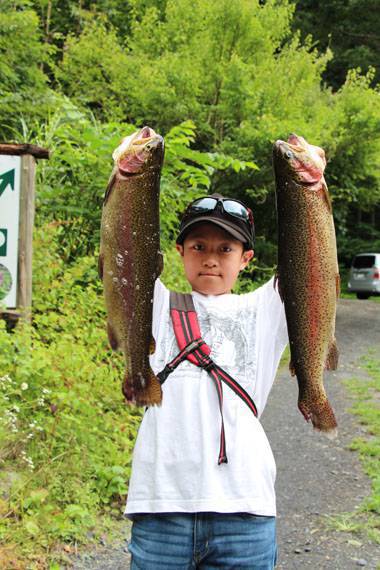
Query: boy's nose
x=209, y=262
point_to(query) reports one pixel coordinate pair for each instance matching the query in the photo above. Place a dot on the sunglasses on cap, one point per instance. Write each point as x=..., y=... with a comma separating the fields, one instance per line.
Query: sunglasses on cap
x=230, y=206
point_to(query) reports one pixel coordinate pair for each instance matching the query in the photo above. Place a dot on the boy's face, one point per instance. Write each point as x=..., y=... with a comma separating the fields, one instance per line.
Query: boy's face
x=212, y=259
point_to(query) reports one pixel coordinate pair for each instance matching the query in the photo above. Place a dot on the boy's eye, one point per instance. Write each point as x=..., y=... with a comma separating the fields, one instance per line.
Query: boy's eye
x=226, y=249
x=197, y=246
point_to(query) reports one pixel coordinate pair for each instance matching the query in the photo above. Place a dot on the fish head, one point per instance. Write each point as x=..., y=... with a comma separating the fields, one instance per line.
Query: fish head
x=299, y=161
x=142, y=150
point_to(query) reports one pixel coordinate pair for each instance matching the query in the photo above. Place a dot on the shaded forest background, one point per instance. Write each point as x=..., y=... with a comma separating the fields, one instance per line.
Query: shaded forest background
x=221, y=81
x=75, y=75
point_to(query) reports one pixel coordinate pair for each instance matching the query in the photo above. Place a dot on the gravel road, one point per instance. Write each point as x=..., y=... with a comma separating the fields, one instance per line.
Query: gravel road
x=315, y=476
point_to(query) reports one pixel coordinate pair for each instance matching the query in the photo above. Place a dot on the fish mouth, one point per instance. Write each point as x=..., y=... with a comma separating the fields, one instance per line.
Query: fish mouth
x=133, y=155
x=300, y=164
x=296, y=141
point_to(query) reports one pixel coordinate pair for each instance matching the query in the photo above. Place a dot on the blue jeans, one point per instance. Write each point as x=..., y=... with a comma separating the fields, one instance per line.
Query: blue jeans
x=203, y=541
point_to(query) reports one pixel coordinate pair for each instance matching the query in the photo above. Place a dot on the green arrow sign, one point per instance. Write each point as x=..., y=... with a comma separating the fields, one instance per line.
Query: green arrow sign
x=3, y=241
x=7, y=178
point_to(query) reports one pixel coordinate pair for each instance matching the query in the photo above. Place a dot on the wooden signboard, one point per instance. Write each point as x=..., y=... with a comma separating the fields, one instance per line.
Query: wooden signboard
x=17, y=172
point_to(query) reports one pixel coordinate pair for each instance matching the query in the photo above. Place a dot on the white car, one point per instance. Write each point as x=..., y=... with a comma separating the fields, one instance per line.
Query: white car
x=364, y=279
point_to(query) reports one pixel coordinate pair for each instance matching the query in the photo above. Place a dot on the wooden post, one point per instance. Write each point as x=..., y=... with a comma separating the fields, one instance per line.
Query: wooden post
x=25, y=236
x=29, y=153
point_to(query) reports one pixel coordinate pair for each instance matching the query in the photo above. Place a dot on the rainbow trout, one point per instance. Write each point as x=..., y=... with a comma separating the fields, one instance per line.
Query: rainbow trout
x=308, y=273
x=130, y=258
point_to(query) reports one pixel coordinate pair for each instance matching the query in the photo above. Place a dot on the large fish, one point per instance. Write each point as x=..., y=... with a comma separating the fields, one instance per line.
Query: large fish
x=308, y=272
x=130, y=258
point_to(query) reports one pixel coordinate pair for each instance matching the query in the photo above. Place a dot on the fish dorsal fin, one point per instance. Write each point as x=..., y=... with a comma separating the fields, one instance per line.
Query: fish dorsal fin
x=326, y=195
x=100, y=265
x=337, y=285
x=110, y=185
x=332, y=356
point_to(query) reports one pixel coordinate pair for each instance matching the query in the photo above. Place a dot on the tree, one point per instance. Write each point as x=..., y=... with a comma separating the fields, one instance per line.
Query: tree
x=93, y=71
x=349, y=27
x=23, y=84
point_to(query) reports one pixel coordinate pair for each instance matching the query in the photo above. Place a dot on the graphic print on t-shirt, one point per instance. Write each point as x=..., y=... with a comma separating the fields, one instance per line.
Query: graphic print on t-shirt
x=228, y=338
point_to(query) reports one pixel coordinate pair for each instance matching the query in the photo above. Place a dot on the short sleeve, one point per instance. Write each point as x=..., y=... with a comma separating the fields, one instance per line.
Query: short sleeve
x=272, y=338
x=160, y=304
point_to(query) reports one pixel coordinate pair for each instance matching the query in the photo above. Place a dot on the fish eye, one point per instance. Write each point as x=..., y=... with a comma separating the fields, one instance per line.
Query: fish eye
x=289, y=154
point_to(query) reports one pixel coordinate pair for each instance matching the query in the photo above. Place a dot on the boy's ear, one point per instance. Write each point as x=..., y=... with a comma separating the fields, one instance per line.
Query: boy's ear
x=246, y=258
x=179, y=248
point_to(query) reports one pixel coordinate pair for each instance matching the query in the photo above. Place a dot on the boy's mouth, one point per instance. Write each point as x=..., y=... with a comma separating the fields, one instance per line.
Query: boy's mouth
x=209, y=274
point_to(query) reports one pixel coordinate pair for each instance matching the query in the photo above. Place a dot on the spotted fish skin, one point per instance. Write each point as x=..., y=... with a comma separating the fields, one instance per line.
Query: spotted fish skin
x=130, y=259
x=308, y=273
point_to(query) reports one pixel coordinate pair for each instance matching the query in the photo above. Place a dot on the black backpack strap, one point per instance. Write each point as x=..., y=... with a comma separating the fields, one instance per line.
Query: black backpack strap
x=181, y=356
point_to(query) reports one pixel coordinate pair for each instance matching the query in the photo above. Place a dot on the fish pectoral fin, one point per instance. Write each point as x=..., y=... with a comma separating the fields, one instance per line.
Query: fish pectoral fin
x=277, y=285
x=326, y=195
x=114, y=343
x=332, y=356
x=152, y=346
x=100, y=265
x=110, y=185
x=337, y=285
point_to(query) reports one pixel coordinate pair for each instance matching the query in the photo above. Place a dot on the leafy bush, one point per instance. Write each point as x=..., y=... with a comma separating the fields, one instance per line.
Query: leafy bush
x=23, y=84
x=66, y=434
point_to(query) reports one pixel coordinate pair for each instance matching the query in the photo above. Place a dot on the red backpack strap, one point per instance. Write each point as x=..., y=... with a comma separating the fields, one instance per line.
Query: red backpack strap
x=193, y=348
x=185, y=323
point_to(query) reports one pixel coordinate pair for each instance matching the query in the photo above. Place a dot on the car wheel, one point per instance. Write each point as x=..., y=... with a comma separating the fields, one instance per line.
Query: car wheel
x=362, y=295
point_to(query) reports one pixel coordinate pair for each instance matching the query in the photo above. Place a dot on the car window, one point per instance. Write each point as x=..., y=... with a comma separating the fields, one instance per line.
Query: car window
x=364, y=261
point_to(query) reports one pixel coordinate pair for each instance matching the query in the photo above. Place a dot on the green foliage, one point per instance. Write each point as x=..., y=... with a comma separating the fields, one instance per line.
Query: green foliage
x=72, y=183
x=93, y=72
x=187, y=173
x=236, y=70
x=354, y=171
x=22, y=82
x=221, y=82
x=349, y=28
x=66, y=435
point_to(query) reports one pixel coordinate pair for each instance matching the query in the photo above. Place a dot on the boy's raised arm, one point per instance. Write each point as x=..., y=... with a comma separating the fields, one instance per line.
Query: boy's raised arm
x=130, y=259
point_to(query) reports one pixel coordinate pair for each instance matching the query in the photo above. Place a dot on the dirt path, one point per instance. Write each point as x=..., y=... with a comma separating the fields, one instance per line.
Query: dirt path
x=315, y=476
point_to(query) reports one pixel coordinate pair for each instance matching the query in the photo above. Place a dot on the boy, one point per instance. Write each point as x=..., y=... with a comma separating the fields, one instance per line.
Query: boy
x=191, y=509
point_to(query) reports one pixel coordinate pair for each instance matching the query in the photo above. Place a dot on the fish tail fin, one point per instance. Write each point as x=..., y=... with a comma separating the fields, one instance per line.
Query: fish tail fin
x=145, y=390
x=332, y=356
x=321, y=416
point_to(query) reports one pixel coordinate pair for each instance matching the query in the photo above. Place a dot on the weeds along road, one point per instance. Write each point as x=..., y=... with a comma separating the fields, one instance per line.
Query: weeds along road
x=315, y=476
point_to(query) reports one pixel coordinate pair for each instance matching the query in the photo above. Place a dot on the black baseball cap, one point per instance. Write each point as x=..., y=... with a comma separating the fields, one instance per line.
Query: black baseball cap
x=238, y=227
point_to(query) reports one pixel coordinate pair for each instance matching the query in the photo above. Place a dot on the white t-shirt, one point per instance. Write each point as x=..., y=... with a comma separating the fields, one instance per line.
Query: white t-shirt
x=175, y=467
